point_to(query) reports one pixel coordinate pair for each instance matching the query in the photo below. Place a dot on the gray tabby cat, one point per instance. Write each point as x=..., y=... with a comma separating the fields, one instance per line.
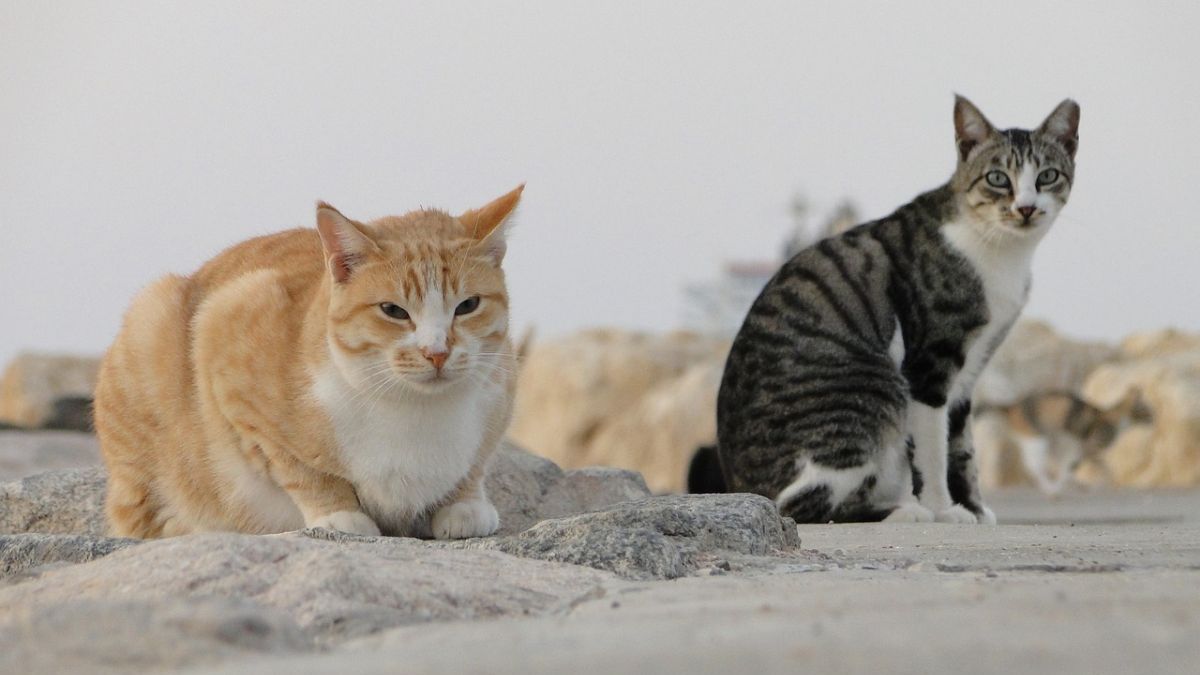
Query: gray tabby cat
x=847, y=390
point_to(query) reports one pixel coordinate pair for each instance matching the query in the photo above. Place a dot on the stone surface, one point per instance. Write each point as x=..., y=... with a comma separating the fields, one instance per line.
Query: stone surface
x=1098, y=583
x=70, y=501
x=658, y=537
x=331, y=589
x=122, y=636
x=20, y=553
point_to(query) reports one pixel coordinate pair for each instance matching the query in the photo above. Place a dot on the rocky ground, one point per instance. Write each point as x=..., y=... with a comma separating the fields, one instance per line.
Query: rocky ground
x=590, y=572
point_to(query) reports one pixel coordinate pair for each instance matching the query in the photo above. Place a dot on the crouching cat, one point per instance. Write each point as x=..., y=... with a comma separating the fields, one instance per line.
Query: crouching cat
x=355, y=377
x=1057, y=432
x=847, y=390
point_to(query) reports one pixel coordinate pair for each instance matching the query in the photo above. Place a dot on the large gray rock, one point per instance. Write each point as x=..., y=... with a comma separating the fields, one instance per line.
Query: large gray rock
x=659, y=537
x=121, y=636
x=527, y=488
x=331, y=589
x=70, y=501
x=22, y=552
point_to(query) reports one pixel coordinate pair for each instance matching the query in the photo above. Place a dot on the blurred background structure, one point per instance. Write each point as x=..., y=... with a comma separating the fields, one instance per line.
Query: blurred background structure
x=658, y=140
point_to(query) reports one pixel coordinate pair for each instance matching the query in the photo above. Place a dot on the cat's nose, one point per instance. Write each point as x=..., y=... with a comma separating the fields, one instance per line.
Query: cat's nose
x=1026, y=212
x=436, y=356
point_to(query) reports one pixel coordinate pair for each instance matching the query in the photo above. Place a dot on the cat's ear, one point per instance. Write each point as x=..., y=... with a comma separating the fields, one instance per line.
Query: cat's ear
x=1063, y=126
x=971, y=128
x=346, y=246
x=486, y=224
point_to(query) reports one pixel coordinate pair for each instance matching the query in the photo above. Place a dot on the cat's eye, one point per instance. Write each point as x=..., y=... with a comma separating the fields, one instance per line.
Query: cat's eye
x=467, y=306
x=393, y=310
x=998, y=179
x=1047, y=177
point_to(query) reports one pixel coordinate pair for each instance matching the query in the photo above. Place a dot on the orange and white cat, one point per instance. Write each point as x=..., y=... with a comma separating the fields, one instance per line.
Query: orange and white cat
x=355, y=377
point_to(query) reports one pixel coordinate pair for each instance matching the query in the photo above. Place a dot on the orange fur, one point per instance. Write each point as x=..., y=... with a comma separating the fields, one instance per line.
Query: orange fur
x=244, y=396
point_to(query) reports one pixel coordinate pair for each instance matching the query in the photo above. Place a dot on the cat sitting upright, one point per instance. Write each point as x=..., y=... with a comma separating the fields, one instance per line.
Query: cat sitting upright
x=876, y=336
x=355, y=377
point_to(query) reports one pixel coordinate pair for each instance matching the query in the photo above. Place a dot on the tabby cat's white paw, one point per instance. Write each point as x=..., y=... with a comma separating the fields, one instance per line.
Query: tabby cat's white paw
x=955, y=514
x=986, y=516
x=473, y=518
x=352, y=522
x=910, y=512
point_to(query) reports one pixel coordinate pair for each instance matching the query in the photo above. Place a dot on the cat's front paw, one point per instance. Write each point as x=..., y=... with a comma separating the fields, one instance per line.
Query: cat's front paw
x=910, y=512
x=352, y=522
x=460, y=520
x=986, y=516
x=955, y=514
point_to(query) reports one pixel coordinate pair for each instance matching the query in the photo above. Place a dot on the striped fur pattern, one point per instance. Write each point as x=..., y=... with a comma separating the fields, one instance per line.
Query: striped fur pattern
x=356, y=376
x=847, y=390
x=1058, y=431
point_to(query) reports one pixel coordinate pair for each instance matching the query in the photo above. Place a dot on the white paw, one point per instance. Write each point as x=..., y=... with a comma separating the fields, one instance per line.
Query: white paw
x=353, y=522
x=910, y=512
x=955, y=514
x=473, y=518
x=986, y=517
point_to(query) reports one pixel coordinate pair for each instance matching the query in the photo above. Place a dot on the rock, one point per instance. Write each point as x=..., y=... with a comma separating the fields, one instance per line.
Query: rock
x=32, y=382
x=24, y=453
x=121, y=636
x=657, y=537
x=622, y=399
x=70, y=501
x=22, y=552
x=333, y=590
x=524, y=487
x=592, y=488
x=517, y=483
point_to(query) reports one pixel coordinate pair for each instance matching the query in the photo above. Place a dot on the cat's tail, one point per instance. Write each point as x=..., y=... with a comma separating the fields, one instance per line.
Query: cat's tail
x=704, y=474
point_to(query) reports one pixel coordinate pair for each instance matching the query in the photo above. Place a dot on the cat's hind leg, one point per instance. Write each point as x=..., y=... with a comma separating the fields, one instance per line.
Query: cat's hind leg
x=819, y=490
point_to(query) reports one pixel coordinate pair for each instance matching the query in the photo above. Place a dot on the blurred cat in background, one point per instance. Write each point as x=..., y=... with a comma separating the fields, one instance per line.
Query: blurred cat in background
x=1058, y=432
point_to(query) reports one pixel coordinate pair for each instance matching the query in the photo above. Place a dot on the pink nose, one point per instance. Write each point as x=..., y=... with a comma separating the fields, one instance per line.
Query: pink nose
x=437, y=358
x=1026, y=212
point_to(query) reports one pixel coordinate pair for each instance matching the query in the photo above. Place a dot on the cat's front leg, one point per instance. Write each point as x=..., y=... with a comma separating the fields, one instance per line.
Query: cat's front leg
x=469, y=514
x=964, y=472
x=329, y=502
x=929, y=427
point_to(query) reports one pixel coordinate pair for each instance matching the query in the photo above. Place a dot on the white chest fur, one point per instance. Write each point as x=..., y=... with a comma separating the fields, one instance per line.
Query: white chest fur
x=403, y=455
x=1003, y=265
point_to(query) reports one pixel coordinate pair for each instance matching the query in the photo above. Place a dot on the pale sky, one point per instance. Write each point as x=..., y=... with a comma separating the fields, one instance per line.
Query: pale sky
x=657, y=140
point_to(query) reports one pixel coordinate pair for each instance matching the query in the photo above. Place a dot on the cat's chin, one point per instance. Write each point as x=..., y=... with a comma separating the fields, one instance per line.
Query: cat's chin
x=433, y=383
x=1016, y=230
